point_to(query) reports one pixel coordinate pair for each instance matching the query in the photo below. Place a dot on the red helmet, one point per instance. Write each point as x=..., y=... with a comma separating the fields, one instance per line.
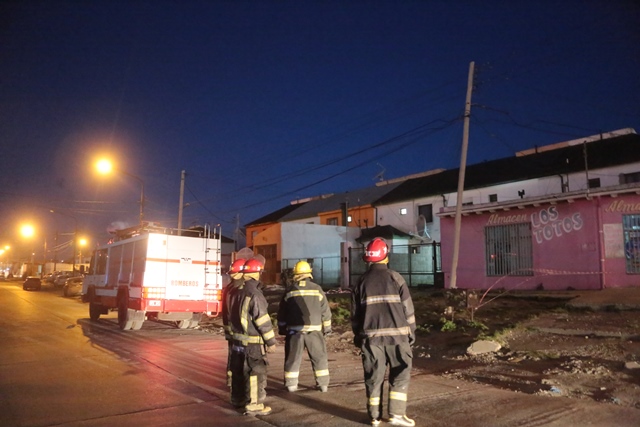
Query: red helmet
x=376, y=251
x=237, y=266
x=253, y=265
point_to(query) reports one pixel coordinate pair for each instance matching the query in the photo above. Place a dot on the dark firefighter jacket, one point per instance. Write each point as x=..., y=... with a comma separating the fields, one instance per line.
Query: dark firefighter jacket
x=304, y=308
x=381, y=308
x=227, y=293
x=248, y=317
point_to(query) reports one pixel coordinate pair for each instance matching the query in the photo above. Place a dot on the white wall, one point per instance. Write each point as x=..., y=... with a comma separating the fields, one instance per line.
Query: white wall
x=312, y=241
x=390, y=214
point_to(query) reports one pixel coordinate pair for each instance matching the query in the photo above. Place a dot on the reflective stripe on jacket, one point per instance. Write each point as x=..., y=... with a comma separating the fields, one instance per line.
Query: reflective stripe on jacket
x=249, y=320
x=304, y=308
x=381, y=307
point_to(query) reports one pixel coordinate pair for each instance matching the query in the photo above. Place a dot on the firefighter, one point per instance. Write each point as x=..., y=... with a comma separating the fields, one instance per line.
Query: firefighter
x=236, y=283
x=304, y=317
x=383, y=322
x=252, y=337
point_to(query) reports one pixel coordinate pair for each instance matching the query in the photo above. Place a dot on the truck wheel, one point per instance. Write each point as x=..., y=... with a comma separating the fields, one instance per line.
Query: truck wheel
x=124, y=320
x=137, y=324
x=195, y=320
x=183, y=324
x=95, y=310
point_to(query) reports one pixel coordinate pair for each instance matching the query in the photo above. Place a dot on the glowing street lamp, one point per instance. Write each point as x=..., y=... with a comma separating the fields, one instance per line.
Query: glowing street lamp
x=105, y=167
x=28, y=231
x=81, y=242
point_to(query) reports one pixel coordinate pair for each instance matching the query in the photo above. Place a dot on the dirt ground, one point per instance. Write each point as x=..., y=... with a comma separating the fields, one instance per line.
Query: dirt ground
x=545, y=348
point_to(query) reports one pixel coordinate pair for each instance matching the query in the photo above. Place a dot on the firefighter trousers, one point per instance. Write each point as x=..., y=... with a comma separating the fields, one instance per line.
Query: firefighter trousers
x=229, y=373
x=295, y=344
x=375, y=359
x=248, y=375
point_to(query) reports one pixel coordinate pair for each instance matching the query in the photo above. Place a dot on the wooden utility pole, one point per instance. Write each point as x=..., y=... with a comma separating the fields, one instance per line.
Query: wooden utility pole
x=463, y=165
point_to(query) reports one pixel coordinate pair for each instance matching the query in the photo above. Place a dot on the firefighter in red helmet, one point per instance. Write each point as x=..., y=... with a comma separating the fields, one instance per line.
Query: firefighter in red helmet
x=252, y=336
x=236, y=283
x=383, y=322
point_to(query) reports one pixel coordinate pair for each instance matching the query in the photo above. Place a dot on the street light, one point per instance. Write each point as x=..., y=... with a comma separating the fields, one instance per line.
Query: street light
x=104, y=167
x=6, y=250
x=81, y=243
x=75, y=236
x=28, y=231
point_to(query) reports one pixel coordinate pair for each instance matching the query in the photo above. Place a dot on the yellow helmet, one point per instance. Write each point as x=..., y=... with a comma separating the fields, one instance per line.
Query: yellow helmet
x=302, y=267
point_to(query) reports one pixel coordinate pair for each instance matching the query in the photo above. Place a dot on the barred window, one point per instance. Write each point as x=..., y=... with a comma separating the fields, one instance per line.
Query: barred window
x=631, y=231
x=508, y=250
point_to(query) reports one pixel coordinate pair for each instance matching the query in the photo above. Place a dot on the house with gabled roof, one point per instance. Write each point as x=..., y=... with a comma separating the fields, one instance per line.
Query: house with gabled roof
x=319, y=228
x=413, y=206
x=579, y=230
x=417, y=209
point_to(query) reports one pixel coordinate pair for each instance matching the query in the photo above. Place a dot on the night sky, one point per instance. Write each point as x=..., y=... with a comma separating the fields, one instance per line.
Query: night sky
x=264, y=102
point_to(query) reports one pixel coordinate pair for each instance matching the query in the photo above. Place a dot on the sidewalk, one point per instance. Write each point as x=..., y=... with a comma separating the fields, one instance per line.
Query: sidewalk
x=607, y=299
x=436, y=401
x=433, y=401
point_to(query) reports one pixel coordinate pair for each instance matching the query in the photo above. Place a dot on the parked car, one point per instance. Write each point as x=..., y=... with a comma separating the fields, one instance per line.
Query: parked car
x=61, y=278
x=32, y=282
x=73, y=286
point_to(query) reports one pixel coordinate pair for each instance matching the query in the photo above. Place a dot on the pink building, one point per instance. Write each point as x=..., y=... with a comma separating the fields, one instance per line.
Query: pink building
x=580, y=240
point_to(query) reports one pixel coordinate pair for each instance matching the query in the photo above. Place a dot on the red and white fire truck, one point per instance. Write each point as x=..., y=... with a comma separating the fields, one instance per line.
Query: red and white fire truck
x=151, y=272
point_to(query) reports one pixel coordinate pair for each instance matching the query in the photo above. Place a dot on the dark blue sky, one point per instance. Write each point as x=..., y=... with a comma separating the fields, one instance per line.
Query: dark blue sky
x=263, y=102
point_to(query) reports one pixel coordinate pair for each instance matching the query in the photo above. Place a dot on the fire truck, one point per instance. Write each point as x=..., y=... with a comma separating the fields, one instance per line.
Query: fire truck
x=156, y=273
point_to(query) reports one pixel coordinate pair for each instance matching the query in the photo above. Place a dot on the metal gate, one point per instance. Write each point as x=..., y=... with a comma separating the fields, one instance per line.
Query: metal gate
x=420, y=265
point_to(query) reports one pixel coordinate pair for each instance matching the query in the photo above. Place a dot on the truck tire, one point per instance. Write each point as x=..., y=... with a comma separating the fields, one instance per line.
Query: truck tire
x=195, y=320
x=125, y=322
x=183, y=324
x=95, y=309
x=139, y=320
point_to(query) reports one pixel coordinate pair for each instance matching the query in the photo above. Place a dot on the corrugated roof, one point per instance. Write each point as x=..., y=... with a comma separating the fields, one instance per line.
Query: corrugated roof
x=615, y=151
x=275, y=216
x=387, y=232
x=361, y=197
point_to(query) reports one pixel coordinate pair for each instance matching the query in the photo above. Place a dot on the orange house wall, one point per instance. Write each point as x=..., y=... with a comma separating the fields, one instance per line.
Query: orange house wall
x=361, y=216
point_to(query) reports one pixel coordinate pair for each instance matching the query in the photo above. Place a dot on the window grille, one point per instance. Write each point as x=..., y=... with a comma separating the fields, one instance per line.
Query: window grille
x=631, y=231
x=508, y=250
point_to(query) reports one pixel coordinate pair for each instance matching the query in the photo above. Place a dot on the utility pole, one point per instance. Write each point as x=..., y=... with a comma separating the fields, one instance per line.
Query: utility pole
x=463, y=165
x=181, y=205
x=236, y=233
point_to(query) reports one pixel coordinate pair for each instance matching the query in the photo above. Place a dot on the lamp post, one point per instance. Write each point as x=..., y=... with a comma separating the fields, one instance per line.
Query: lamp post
x=75, y=236
x=28, y=231
x=81, y=243
x=105, y=167
x=5, y=250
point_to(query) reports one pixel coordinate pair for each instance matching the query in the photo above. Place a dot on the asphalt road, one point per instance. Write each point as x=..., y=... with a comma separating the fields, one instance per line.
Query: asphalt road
x=57, y=368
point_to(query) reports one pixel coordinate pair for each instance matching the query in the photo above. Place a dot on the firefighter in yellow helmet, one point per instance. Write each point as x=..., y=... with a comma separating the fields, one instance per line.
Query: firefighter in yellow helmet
x=304, y=317
x=384, y=327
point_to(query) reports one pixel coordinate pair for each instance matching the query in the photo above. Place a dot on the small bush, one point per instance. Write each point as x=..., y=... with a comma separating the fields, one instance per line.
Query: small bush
x=447, y=325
